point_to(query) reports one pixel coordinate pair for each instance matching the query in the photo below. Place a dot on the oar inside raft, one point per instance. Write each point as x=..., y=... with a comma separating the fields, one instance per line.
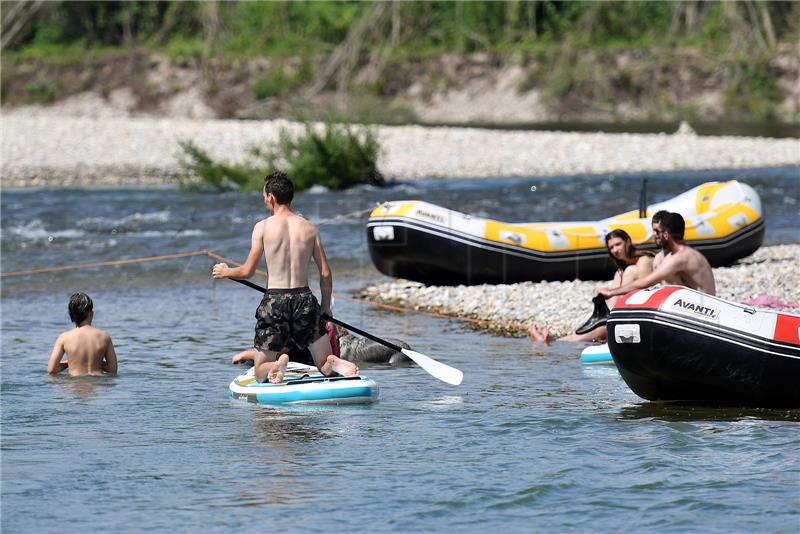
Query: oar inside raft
x=437, y=369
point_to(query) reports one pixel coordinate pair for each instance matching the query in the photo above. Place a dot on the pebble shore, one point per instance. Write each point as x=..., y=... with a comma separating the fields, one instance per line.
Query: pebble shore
x=509, y=309
x=41, y=149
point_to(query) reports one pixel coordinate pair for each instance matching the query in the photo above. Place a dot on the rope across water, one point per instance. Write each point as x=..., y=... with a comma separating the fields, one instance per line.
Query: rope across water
x=213, y=255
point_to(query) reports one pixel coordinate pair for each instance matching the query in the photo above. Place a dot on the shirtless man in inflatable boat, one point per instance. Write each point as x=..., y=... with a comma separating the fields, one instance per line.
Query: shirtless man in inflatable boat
x=677, y=263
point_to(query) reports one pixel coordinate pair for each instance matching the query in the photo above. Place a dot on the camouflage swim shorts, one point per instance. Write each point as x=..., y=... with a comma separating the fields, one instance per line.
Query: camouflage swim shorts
x=288, y=318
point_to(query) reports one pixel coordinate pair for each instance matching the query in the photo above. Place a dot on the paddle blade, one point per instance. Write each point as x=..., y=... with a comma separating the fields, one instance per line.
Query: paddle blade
x=443, y=372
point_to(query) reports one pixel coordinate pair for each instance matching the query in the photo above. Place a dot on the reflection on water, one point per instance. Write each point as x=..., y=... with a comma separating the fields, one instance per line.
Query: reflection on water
x=84, y=388
x=282, y=430
x=696, y=411
x=448, y=399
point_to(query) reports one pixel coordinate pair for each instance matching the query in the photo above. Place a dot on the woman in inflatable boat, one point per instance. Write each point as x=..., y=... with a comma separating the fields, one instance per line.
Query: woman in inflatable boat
x=632, y=264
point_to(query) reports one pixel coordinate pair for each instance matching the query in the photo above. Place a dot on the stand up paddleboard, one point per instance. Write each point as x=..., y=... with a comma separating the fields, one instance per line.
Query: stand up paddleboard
x=597, y=355
x=303, y=384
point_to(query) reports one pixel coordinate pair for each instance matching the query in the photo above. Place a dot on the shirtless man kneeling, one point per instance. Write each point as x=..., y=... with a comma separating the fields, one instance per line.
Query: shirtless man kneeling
x=89, y=349
x=677, y=263
x=289, y=314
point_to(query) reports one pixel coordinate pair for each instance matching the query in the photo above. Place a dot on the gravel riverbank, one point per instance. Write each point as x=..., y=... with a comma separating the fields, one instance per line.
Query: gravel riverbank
x=563, y=306
x=40, y=149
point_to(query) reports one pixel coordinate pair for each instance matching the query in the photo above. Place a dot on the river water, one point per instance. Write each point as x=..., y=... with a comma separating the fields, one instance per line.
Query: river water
x=529, y=441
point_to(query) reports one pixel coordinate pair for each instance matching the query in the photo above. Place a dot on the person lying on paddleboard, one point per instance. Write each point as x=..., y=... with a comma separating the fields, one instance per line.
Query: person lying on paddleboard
x=632, y=264
x=360, y=349
x=289, y=314
x=90, y=350
x=677, y=263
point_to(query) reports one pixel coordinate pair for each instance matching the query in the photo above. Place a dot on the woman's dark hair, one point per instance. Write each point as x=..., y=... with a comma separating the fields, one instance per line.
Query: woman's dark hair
x=80, y=304
x=674, y=224
x=280, y=186
x=630, y=250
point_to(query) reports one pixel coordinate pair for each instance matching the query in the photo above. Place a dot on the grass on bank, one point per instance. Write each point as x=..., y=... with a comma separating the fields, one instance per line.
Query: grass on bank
x=241, y=30
x=738, y=40
x=335, y=156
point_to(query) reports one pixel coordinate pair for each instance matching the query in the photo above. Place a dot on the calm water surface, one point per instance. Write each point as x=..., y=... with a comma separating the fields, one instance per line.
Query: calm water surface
x=530, y=440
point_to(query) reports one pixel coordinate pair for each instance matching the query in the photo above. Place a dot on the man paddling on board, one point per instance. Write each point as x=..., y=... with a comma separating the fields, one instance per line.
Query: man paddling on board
x=677, y=263
x=289, y=314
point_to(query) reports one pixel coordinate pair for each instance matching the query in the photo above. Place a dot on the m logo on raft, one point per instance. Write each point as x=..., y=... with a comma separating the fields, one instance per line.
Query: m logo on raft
x=705, y=311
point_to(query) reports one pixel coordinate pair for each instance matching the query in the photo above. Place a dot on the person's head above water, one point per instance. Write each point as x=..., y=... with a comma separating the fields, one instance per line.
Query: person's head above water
x=278, y=190
x=80, y=308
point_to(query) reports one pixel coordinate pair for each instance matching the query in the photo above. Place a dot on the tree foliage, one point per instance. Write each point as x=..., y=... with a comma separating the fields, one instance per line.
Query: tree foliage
x=280, y=28
x=352, y=46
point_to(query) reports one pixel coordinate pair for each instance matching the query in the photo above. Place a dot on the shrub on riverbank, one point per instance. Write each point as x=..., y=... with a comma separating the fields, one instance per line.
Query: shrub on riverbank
x=333, y=155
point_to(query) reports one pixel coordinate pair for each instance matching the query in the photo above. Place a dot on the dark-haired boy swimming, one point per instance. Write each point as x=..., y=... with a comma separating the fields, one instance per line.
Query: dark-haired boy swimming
x=90, y=349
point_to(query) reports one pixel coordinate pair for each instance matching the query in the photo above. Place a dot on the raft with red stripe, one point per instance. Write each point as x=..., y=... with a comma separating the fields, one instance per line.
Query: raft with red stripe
x=674, y=343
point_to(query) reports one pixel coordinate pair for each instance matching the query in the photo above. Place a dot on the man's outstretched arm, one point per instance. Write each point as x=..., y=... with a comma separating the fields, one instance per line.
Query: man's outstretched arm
x=248, y=269
x=667, y=268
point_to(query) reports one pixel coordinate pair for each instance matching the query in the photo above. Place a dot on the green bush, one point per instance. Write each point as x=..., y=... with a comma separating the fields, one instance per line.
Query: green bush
x=41, y=92
x=282, y=80
x=184, y=48
x=754, y=93
x=338, y=157
x=341, y=157
x=202, y=171
x=369, y=109
x=272, y=84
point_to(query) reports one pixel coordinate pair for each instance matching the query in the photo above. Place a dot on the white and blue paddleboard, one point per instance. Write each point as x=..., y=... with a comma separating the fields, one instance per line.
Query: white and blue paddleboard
x=597, y=355
x=303, y=384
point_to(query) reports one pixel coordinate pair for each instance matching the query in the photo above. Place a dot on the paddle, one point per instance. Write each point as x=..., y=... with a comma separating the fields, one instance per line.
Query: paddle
x=437, y=369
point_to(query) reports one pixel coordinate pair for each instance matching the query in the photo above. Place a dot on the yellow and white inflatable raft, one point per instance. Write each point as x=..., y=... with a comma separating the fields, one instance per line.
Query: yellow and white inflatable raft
x=420, y=241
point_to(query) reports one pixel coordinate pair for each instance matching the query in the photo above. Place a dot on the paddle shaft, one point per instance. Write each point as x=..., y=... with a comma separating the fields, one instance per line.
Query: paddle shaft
x=331, y=319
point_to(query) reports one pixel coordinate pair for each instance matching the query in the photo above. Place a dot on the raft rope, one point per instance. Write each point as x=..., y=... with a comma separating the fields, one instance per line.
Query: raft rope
x=213, y=255
x=204, y=252
x=104, y=263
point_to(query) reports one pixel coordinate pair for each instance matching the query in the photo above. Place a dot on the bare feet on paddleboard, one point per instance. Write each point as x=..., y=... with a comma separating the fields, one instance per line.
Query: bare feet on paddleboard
x=278, y=369
x=335, y=364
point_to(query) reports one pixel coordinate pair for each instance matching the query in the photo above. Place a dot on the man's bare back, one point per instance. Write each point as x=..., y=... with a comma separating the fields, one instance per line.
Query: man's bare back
x=677, y=263
x=687, y=267
x=289, y=243
x=90, y=351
